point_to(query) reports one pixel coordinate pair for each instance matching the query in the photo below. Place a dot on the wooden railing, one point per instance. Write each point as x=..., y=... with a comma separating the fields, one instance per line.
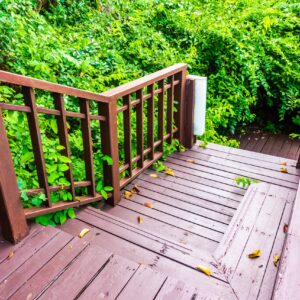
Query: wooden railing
x=163, y=95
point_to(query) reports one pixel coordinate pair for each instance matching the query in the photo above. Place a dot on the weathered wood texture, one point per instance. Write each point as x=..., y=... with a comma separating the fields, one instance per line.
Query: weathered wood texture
x=273, y=144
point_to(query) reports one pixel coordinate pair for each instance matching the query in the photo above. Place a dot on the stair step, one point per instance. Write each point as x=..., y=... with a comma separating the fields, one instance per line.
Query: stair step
x=263, y=210
x=144, y=247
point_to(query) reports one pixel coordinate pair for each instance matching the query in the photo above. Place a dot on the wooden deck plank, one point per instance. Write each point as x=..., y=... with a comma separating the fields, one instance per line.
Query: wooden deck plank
x=111, y=280
x=75, y=278
x=31, y=266
x=174, y=233
x=237, y=167
x=249, y=273
x=21, y=255
x=219, y=213
x=49, y=272
x=229, y=174
x=174, y=289
x=144, y=282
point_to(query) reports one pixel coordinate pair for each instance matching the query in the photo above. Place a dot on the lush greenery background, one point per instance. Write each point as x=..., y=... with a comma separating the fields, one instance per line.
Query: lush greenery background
x=248, y=49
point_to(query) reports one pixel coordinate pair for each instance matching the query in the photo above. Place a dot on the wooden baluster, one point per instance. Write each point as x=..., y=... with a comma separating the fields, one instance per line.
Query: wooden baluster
x=36, y=141
x=109, y=143
x=170, y=95
x=150, y=121
x=12, y=218
x=179, y=97
x=140, y=129
x=87, y=145
x=161, y=115
x=127, y=134
x=63, y=137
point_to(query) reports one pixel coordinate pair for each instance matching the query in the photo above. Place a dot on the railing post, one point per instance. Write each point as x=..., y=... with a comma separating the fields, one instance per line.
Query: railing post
x=12, y=218
x=189, y=138
x=109, y=142
x=298, y=163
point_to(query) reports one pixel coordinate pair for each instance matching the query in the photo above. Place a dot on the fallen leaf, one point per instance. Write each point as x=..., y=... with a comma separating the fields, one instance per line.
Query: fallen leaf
x=148, y=204
x=135, y=189
x=284, y=170
x=254, y=254
x=154, y=175
x=10, y=255
x=77, y=199
x=284, y=163
x=83, y=232
x=260, y=266
x=285, y=228
x=29, y=296
x=204, y=270
x=276, y=259
x=169, y=172
x=140, y=219
x=190, y=161
x=127, y=195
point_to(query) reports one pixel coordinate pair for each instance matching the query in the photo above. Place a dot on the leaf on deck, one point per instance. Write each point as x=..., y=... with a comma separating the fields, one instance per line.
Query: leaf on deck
x=127, y=195
x=153, y=175
x=285, y=228
x=204, y=270
x=148, y=204
x=140, y=219
x=284, y=170
x=169, y=172
x=190, y=161
x=10, y=255
x=83, y=232
x=135, y=189
x=254, y=254
x=276, y=259
x=283, y=163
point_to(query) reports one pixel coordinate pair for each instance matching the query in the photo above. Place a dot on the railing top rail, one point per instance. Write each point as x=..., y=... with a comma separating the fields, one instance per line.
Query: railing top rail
x=12, y=78
x=132, y=86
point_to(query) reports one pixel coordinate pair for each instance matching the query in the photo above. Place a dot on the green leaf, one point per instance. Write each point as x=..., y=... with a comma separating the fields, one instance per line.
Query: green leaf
x=53, y=125
x=60, y=147
x=108, y=188
x=64, y=159
x=63, y=168
x=99, y=186
x=104, y=194
x=71, y=213
x=27, y=157
x=62, y=218
x=108, y=159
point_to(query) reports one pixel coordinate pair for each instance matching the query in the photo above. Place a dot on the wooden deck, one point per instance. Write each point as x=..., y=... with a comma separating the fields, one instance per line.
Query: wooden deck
x=198, y=217
x=273, y=144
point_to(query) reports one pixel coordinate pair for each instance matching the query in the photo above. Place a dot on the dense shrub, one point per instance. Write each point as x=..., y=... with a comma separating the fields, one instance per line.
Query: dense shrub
x=248, y=49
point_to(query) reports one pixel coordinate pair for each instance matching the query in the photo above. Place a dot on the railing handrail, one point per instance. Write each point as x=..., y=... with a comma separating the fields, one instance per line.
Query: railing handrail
x=134, y=85
x=12, y=78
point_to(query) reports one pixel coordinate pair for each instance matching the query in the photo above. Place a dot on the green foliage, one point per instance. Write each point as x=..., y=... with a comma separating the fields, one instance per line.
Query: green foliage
x=247, y=49
x=244, y=182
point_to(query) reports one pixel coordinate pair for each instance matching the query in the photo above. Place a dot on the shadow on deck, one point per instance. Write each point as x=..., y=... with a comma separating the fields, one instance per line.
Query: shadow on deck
x=198, y=217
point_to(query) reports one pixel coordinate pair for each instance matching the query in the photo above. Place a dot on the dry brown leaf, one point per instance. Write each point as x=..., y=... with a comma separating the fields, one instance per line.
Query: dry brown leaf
x=154, y=175
x=148, y=204
x=283, y=163
x=284, y=170
x=83, y=232
x=190, y=161
x=140, y=219
x=127, y=195
x=254, y=254
x=135, y=189
x=204, y=270
x=276, y=259
x=10, y=255
x=169, y=172
x=285, y=228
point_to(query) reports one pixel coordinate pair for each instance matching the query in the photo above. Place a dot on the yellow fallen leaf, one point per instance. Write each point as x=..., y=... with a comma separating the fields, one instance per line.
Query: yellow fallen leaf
x=284, y=170
x=135, y=190
x=10, y=255
x=140, y=219
x=276, y=259
x=77, y=199
x=83, y=232
x=154, y=175
x=169, y=172
x=254, y=254
x=283, y=163
x=127, y=195
x=190, y=161
x=204, y=270
x=148, y=204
